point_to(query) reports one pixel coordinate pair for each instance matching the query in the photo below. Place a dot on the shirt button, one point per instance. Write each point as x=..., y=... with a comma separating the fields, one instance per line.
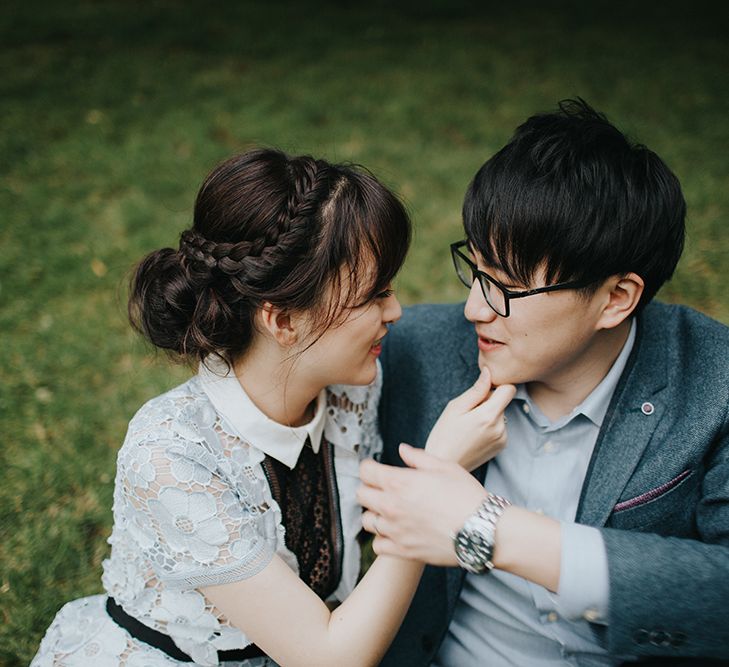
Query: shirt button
x=591, y=615
x=552, y=616
x=525, y=407
x=548, y=446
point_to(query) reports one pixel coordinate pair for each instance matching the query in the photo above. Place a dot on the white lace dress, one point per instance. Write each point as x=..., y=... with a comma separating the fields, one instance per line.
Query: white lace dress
x=192, y=508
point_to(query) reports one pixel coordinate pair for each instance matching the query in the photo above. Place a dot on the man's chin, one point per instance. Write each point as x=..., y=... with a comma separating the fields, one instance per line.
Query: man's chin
x=499, y=374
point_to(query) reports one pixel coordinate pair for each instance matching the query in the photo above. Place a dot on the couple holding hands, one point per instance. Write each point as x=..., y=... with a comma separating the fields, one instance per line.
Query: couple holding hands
x=571, y=502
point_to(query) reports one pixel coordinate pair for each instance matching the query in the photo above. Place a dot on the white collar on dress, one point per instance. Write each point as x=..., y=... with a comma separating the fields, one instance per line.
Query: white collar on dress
x=284, y=443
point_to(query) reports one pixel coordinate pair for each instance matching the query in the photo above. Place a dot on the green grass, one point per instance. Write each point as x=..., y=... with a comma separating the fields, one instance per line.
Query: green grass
x=112, y=112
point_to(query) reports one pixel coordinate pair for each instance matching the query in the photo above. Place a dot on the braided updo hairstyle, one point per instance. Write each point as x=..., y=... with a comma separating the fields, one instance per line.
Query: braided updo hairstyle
x=268, y=228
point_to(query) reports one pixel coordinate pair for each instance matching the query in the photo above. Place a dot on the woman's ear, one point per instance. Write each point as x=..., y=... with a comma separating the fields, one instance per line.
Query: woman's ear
x=623, y=297
x=280, y=325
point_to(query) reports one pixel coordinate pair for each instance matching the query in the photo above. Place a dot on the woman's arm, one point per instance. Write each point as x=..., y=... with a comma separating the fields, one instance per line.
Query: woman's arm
x=286, y=619
x=281, y=615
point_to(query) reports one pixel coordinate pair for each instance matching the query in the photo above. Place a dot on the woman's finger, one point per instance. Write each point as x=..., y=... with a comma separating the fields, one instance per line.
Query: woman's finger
x=476, y=394
x=382, y=546
x=371, y=522
x=376, y=474
x=500, y=398
x=413, y=457
x=371, y=499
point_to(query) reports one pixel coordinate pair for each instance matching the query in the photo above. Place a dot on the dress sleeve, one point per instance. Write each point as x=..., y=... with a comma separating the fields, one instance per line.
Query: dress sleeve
x=196, y=523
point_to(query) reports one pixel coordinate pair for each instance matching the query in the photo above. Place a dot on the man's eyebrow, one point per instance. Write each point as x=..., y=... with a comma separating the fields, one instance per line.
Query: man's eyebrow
x=492, y=263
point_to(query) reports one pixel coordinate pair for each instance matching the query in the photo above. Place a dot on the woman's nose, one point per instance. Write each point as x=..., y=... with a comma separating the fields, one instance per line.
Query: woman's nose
x=392, y=311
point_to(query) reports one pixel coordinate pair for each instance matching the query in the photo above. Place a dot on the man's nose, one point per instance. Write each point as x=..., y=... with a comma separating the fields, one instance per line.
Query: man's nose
x=477, y=308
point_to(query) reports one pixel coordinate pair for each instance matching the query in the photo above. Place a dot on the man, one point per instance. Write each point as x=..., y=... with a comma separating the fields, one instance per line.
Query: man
x=606, y=517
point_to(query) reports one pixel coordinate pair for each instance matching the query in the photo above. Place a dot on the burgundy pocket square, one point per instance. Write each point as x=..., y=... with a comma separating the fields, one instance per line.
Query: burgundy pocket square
x=646, y=497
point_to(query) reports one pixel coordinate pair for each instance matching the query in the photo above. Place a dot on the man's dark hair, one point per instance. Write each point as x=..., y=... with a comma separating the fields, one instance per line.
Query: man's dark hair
x=570, y=193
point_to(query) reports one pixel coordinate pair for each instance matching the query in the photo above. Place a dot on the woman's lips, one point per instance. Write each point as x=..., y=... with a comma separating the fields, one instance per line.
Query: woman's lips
x=376, y=348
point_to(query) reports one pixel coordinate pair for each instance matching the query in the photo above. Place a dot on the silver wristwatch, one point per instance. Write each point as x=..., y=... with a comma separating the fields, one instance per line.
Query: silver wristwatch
x=474, y=543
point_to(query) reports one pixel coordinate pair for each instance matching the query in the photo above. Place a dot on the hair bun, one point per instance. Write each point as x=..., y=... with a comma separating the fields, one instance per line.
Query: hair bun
x=162, y=300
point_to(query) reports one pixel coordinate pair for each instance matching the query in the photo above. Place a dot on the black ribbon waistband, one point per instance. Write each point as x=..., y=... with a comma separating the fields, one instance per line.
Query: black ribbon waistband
x=164, y=642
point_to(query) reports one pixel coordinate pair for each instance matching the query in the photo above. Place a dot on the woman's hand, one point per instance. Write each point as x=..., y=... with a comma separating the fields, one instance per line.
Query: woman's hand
x=472, y=428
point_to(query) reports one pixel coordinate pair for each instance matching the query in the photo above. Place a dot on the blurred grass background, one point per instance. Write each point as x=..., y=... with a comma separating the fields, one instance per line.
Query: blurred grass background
x=113, y=111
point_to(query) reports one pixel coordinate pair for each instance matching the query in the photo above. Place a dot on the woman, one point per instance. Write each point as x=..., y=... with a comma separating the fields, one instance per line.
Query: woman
x=235, y=519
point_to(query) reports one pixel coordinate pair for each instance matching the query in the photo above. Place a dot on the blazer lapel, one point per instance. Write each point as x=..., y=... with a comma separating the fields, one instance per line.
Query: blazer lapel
x=467, y=373
x=635, y=411
x=454, y=583
x=469, y=355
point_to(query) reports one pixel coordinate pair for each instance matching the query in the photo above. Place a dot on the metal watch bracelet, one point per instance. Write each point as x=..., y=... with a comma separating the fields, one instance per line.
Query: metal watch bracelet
x=474, y=543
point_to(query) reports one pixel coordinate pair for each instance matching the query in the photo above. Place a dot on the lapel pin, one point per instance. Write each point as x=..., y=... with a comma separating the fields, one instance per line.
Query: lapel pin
x=647, y=408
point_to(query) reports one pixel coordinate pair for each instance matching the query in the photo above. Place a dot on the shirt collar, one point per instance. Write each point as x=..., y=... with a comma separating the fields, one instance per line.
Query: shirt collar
x=595, y=405
x=283, y=443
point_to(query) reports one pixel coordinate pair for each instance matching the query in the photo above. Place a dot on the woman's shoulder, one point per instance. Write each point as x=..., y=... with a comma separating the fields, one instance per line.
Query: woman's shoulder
x=183, y=416
x=172, y=407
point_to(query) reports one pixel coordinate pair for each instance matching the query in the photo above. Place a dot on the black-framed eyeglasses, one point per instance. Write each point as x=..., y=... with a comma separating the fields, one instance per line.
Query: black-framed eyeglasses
x=496, y=295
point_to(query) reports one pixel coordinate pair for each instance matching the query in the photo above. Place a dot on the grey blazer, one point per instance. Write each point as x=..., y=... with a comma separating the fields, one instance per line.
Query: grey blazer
x=657, y=484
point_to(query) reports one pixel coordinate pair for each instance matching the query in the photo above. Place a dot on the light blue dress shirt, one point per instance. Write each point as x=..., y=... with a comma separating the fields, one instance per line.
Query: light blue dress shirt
x=504, y=620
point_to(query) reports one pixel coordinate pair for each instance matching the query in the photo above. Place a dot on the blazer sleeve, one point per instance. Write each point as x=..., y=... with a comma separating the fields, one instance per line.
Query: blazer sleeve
x=669, y=595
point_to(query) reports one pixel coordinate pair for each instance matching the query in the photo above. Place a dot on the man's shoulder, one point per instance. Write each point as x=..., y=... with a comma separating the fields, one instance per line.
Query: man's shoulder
x=678, y=315
x=686, y=333
x=429, y=334
x=432, y=320
x=684, y=351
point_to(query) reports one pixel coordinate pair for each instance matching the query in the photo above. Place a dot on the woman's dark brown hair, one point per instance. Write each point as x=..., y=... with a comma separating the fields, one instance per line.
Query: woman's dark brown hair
x=269, y=228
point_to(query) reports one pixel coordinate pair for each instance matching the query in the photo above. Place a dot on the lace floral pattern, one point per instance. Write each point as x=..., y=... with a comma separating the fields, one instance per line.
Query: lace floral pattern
x=192, y=508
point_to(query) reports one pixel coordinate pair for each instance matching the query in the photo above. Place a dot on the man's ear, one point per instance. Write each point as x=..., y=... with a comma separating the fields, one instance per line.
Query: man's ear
x=278, y=324
x=622, y=298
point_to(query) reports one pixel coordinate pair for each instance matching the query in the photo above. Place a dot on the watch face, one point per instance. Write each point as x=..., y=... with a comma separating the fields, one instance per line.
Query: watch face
x=474, y=543
x=473, y=550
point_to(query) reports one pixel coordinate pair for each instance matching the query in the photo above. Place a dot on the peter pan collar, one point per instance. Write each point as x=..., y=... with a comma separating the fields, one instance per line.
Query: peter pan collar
x=283, y=443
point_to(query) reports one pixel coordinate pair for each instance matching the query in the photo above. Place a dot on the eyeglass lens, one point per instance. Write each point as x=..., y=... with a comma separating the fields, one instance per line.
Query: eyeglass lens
x=494, y=296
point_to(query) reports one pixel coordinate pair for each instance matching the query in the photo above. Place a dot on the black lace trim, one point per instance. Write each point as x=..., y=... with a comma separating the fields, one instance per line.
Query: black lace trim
x=309, y=502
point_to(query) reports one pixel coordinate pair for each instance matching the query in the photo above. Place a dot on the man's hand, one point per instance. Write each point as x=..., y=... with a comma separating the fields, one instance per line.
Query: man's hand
x=471, y=429
x=414, y=512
